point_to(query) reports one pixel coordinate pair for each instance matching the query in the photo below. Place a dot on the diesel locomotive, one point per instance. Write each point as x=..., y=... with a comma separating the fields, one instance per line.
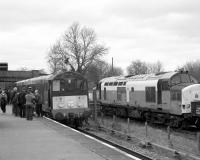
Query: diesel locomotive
x=64, y=95
x=171, y=98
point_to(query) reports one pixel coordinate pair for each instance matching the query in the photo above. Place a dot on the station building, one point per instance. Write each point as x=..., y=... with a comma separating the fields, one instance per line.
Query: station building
x=9, y=77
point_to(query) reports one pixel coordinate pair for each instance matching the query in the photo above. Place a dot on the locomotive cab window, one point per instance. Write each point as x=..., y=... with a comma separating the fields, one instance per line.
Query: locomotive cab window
x=82, y=84
x=150, y=94
x=56, y=85
x=106, y=84
x=115, y=83
x=67, y=85
x=72, y=85
x=120, y=83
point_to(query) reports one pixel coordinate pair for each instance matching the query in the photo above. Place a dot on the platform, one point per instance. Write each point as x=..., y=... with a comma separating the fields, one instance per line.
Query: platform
x=32, y=140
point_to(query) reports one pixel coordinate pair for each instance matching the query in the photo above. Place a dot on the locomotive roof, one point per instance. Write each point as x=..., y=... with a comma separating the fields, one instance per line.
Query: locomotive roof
x=142, y=77
x=45, y=78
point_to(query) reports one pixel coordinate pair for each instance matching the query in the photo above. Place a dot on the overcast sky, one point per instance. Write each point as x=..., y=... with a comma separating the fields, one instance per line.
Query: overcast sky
x=149, y=30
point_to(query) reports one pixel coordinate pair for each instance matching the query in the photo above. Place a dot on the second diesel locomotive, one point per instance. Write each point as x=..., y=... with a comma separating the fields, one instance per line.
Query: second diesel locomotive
x=64, y=95
x=171, y=98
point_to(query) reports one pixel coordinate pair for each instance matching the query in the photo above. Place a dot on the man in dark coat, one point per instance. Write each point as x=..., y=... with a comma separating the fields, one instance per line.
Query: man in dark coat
x=3, y=101
x=22, y=102
x=38, y=103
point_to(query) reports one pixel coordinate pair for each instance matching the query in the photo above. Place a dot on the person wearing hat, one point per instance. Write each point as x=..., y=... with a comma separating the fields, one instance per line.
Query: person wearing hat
x=30, y=101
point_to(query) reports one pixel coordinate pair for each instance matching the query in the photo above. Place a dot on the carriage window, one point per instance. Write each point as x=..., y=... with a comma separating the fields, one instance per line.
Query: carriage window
x=150, y=94
x=111, y=83
x=56, y=85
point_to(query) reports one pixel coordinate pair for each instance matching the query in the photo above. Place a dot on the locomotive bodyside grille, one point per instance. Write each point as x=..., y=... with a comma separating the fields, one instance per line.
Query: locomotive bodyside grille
x=195, y=106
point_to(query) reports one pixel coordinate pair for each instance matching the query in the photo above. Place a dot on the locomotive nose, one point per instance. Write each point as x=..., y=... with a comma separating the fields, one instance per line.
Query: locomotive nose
x=190, y=94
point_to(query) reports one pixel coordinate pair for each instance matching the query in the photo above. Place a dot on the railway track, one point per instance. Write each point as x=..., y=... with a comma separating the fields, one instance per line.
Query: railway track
x=123, y=150
x=186, y=133
x=130, y=153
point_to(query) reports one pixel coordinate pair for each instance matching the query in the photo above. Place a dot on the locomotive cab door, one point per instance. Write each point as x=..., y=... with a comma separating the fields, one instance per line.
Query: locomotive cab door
x=99, y=89
x=104, y=93
x=163, y=94
x=159, y=93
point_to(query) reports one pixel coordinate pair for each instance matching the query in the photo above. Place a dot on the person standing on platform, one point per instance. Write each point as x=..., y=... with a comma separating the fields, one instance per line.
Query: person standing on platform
x=30, y=101
x=13, y=100
x=22, y=102
x=8, y=95
x=3, y=101
x=38, y=103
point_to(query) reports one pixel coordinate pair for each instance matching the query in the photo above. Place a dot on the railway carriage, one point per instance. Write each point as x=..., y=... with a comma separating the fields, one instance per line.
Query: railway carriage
x=169, y=97
x=64, y=95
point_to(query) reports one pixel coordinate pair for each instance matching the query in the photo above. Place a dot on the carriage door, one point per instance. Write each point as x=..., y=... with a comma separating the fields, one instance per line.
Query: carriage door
x=104, y=93
x=159, y=92
x=165, y=94
x=99, y=88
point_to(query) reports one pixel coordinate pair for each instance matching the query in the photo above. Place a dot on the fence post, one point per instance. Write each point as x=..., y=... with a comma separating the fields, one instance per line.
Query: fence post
x=168, y=132
x=113, y=124
x=95, y=105
x=102, y=122
x=198, y=142
x=128, y=129
x=169, y=136
x=146, y=130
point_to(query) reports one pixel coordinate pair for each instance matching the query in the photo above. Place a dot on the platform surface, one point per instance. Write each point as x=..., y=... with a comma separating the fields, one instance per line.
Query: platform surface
x=32, y=140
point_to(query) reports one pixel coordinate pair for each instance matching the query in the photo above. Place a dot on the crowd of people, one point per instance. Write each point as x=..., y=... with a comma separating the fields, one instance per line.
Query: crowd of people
x=24, y=103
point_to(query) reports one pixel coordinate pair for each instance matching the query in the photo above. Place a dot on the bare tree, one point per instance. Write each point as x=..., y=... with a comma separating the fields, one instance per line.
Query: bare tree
x=56, y=57
x=137, y=67
x=193, y=67
x=102, y=69
x=155, y=67
x=78, y=48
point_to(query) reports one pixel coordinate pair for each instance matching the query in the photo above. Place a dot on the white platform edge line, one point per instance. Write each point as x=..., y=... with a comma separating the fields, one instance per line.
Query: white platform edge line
x=108, y=145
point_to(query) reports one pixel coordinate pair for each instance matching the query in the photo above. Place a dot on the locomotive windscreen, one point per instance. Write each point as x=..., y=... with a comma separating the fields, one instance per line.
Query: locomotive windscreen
x=70, y=84
x=182, y=78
